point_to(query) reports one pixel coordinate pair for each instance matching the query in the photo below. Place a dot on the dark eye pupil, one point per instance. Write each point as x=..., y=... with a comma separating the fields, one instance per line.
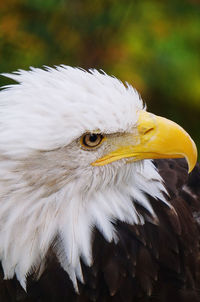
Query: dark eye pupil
x=93, y=138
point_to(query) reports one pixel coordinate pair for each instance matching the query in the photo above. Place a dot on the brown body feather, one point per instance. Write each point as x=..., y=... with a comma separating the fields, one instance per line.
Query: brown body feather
x=157, y=261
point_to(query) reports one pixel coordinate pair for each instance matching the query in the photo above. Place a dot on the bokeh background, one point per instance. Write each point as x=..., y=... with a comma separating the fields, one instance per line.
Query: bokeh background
x=153, y=44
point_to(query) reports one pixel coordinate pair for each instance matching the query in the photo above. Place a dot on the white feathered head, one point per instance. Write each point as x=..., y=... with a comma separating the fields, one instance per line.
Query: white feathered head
x=75, y=150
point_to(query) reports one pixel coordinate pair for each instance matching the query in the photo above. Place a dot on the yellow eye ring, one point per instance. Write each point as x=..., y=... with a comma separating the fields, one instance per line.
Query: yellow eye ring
x=91, y=140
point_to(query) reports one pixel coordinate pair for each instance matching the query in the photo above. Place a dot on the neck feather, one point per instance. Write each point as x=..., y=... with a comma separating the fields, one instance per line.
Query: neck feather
x=65, y=219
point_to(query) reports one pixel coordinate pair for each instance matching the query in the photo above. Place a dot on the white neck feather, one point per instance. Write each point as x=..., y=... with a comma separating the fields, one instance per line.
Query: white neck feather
x=30, y=223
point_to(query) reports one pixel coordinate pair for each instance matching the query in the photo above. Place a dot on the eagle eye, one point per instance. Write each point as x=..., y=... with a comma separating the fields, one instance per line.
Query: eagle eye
x=91, y=140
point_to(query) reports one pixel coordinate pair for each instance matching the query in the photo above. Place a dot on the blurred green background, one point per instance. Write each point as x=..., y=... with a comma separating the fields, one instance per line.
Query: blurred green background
x=154, y=45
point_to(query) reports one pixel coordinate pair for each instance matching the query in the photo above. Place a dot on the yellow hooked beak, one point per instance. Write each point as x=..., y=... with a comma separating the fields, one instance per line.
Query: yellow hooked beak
x=156, y=137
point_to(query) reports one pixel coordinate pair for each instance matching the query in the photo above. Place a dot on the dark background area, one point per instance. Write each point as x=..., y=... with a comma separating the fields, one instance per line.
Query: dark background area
x=154, y=45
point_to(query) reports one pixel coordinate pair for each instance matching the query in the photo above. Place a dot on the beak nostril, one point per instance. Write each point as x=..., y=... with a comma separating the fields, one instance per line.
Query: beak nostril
x=148, y=130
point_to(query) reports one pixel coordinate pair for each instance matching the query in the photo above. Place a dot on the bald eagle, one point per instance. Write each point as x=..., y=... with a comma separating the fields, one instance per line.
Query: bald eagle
x=96, y=203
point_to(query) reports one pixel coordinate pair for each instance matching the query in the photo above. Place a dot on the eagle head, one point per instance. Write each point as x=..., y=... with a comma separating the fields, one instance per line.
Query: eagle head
x=75, y=154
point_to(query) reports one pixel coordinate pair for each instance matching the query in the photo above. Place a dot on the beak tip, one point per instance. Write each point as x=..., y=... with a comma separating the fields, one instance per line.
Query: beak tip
x=192, y=160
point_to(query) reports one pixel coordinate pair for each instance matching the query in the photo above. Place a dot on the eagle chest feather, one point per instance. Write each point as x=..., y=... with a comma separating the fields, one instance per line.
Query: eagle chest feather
x=150, y=262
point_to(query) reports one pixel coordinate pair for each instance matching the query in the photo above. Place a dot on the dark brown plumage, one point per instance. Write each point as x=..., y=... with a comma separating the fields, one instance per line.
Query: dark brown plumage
x=159, y=261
